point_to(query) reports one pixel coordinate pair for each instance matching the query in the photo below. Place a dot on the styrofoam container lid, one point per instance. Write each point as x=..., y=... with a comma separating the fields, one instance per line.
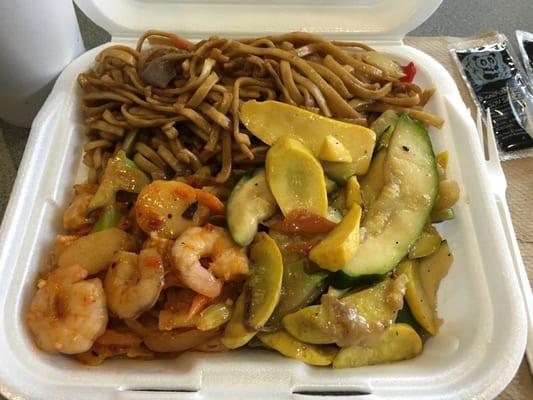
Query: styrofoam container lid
x=477, y=350
x=375, y=19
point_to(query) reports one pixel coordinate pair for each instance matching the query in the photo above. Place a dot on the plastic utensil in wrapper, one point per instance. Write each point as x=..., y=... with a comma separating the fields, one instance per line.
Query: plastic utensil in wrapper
x=487, y=64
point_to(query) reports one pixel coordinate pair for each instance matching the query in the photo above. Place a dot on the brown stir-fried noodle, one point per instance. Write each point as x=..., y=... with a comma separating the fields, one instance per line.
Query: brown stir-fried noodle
x=174, y=106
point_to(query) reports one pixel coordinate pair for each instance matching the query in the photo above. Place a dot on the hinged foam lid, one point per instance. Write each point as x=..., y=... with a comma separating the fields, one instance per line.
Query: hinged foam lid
x=369, y=19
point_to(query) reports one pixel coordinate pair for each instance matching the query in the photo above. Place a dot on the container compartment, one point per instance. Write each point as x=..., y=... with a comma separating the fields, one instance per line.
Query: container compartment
x=475, y=354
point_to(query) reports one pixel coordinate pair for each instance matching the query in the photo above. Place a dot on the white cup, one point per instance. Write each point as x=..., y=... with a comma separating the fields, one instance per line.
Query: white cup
x=37, y=40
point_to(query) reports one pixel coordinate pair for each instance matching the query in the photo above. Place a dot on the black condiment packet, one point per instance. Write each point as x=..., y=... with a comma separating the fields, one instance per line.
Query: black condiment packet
x=490, y=71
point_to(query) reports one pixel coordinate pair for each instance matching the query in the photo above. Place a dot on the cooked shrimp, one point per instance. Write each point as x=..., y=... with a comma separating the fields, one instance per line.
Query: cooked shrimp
x=161, y=207
x=134, y=282
x=163, y=246
x=228, y=261
x=61, y=242
x=68, y=313
x=75, y=216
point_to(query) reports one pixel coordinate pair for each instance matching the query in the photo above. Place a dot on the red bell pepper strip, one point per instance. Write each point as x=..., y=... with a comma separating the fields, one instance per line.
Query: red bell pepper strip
x=410, y=72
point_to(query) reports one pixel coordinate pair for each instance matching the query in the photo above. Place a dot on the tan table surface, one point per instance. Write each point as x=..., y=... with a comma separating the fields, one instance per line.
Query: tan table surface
x=519, y=174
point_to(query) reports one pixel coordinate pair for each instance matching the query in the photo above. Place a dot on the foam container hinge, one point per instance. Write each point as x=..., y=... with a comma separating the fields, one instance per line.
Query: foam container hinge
x=475, y=354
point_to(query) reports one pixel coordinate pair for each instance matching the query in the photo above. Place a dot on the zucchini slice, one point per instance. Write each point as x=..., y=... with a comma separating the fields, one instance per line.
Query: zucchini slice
x=386, y=121
x=397, y=217
x=398, y=342
x=260, y=294
x=291, y=347
x=372, y=182
x=250, y=203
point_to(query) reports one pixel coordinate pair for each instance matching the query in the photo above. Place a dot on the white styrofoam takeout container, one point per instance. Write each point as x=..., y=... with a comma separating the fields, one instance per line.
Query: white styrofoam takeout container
x=482, y=341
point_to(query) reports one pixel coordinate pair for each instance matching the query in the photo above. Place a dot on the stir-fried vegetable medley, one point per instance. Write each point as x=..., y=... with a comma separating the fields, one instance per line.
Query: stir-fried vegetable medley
x=323, y=247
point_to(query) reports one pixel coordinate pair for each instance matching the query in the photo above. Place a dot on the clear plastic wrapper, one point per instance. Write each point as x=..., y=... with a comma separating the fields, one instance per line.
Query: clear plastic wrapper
x=525, y=44
x=488, y=66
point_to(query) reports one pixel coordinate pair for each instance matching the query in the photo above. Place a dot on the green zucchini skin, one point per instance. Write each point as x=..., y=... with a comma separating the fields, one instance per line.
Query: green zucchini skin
x=397, y=218
x=340, y=280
